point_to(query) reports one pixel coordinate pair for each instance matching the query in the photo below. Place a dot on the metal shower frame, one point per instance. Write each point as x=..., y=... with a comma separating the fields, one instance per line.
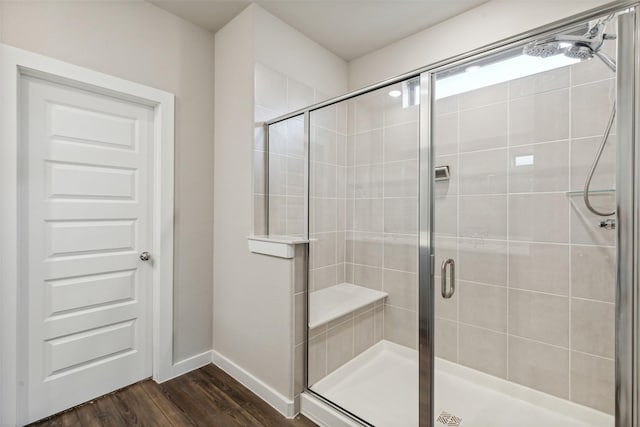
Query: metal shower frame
x=627, y=393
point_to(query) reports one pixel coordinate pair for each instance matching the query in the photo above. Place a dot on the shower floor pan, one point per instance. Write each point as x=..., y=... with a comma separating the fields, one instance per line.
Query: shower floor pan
x=381, y=386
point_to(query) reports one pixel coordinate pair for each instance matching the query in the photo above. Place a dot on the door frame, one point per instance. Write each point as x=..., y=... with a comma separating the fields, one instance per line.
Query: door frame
x=14, y=64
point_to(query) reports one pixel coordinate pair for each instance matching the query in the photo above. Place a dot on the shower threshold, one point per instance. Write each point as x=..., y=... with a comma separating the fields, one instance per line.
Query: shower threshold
x=381, y=386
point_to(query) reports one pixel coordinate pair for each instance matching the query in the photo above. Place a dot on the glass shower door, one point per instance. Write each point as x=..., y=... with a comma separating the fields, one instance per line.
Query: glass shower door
x=363, y=206
x=524, y=288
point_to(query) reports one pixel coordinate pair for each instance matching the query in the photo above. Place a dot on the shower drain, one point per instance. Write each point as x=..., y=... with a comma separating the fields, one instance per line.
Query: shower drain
x=449, y=420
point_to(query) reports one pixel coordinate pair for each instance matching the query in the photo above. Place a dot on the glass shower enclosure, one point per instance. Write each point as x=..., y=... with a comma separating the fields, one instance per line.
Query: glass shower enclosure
x=471, y=256
x=363, y=275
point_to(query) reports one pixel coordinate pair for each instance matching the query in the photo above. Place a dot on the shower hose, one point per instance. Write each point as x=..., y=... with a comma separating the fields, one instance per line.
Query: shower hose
x=587, y=183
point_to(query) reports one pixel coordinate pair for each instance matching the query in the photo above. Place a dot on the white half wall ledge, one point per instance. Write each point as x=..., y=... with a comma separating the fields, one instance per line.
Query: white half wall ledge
x=277, y=246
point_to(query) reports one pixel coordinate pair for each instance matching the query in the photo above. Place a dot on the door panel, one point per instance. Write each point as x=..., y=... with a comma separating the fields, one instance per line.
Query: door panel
x=86, y=291
x=92, y=127
x=82, y=181
x=87, y=215
x=78, y=349
x=71, y=237
x=363, y=311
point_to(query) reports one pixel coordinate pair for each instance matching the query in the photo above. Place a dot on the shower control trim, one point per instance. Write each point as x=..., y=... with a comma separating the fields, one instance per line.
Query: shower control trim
x=441, y=173
x=449, y=262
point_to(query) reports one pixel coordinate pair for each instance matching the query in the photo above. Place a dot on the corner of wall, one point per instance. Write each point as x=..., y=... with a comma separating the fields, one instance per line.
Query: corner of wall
x=253, y=306
x=288, y=51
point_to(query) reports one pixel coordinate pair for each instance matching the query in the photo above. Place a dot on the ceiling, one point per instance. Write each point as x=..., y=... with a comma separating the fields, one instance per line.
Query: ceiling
x=348, y=28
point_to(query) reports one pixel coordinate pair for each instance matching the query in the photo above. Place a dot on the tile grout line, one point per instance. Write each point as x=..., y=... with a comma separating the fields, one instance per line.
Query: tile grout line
x=458, y=133
x=326, y=340
x=570, y=343
x=522, y=337
x=286, y=167
x=384, y=132
x=353, y=248
x=382, y=128
x=508, y=229
x=464, y=153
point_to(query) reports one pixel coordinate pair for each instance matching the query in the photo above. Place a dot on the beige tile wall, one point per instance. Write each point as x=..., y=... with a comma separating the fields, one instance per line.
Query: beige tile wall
x=327, y=202
x=333, y=344
x=535, y=291
x=277, y=94
x=382, y=206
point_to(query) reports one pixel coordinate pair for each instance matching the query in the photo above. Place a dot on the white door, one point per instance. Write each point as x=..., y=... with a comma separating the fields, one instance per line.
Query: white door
x=86, y=217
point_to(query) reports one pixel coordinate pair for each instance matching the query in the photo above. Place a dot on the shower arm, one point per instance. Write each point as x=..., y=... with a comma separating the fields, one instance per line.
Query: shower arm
x=609, y=62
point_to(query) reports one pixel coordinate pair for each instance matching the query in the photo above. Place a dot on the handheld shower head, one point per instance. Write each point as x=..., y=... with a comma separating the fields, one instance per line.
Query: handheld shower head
x=581, y=47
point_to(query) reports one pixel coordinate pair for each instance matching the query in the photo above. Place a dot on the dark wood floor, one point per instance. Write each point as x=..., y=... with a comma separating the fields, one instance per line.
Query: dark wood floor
x=205, y=397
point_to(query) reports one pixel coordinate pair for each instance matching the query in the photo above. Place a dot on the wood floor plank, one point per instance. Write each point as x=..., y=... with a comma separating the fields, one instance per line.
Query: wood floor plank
x=107, y=410
x=206, y=397
x=234, y=389
x=174, y=414
x=223, y=400
x=140, y=410
x=199, y=408
x=66, y=419
x=88, y=415
x=252, y=403
x=248, y=400
x=69, y=419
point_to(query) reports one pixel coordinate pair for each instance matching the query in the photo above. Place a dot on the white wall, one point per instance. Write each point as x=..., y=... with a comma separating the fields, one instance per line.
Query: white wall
x=282, y=48
x=253, y=294
x=486, y=24
x=140, y=42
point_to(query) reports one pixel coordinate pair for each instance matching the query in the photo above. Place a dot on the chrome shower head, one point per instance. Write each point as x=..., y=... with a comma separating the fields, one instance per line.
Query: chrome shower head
x=542, y=50
x=579, y=52
x=575, y=46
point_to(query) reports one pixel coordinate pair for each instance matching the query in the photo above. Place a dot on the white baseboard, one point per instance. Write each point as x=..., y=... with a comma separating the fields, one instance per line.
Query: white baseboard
x=322, y=414
x=187, y=365
x=280, y=403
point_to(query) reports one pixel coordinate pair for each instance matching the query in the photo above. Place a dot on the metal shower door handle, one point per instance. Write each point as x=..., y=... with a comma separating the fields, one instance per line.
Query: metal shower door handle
x=443, y=278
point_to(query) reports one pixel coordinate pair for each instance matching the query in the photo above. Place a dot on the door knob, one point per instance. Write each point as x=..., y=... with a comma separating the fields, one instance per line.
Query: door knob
x=145, y=256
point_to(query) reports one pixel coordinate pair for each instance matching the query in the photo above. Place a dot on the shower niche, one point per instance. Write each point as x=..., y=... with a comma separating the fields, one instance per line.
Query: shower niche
x=458, y=269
